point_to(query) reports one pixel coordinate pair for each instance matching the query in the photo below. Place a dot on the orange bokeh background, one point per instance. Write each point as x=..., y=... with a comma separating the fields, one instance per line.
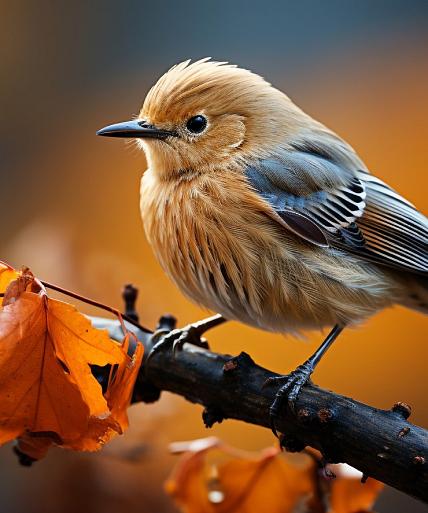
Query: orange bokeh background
x=69, y=210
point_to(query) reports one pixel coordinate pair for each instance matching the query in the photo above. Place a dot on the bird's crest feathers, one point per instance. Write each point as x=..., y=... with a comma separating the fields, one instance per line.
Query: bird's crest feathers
x=189, y=87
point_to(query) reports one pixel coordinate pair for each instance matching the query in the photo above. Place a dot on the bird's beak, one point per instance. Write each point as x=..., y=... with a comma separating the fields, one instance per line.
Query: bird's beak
x=135, y=129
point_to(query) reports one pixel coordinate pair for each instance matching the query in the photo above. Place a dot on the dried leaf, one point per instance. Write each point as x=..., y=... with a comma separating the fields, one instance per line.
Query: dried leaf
x=243, y=484
x=349, y=494
x=7, y=274
x=214, y=477
x=121, y=385
x=118, y=396
x=47, y=391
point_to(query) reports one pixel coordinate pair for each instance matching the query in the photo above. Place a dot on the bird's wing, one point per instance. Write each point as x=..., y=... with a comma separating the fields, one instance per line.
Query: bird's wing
x=346, y=208
x=395, y=233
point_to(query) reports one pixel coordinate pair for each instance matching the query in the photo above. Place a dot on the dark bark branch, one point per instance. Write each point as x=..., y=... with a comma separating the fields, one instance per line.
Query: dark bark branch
x=382, y=444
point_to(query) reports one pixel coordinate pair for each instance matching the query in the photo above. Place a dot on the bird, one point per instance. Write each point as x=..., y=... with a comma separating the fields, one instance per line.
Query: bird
x=259, y=212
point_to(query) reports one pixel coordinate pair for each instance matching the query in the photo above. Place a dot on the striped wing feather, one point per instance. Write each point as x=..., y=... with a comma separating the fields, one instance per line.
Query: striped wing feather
x=394, y=231
x=361, y=214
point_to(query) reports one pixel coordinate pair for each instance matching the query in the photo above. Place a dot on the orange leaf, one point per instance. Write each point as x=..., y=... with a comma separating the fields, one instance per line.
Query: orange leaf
x=98, y=432
x=243, y=483
x=118, y=396
x=46, y=385
x=121, y=385
x=212, y=477
x=7, y=274
x=349, y=494
x=78, y=344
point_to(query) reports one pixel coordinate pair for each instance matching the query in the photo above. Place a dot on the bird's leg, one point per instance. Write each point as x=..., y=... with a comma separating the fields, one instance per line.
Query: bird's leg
x=191, y=333
x=291, y=384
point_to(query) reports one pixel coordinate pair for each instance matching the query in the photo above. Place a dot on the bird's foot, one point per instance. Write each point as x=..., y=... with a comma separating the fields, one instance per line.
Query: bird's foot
x=176, y=338
x=289, y=388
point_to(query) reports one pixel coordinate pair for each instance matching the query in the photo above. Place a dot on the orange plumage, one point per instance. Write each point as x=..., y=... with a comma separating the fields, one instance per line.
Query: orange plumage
x=259, y=212
x=214, y=235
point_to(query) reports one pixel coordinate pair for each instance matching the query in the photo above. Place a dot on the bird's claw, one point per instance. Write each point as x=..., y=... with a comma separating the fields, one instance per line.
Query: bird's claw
x=190, y=334
x=290, y=386
x=177, y=338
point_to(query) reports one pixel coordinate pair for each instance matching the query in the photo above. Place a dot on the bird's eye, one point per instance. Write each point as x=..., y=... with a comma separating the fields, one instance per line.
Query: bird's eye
x=197, y=124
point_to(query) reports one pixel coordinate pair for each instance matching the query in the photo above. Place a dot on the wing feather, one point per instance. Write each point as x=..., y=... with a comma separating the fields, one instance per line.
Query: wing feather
x=354, y=210
x=395, y=232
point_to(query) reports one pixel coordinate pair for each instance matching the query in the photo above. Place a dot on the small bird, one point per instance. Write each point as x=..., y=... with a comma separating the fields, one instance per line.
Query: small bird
x=261, y=213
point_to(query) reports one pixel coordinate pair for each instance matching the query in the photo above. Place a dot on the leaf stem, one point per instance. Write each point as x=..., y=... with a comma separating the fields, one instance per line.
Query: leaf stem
x=110, y=309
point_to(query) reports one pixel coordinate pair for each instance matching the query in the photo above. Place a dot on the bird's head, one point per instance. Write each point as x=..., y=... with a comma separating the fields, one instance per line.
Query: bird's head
x=204, y=114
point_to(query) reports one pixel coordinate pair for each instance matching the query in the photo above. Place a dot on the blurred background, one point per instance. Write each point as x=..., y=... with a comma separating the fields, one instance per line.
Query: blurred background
x=69, y=200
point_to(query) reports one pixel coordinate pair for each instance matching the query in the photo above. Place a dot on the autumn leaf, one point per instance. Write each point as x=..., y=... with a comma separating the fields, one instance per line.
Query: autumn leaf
x=349, y=494
x=48, y=393
x=121, y=384
x=214, y=477
x=7, y=274
x=118, y=396
x=241, y=483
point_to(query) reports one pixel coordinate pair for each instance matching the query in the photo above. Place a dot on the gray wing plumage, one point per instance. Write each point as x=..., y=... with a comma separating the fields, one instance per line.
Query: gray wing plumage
x=329, y=201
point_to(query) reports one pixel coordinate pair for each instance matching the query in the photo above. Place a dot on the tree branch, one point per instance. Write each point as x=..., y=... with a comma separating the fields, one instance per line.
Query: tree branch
x=380, y=443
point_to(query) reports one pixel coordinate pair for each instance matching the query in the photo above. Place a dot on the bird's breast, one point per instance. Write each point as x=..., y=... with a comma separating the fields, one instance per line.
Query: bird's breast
x=209, y=235
x=214, y=237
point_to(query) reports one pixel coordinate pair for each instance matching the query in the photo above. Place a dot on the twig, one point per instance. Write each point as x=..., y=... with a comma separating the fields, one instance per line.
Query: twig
x=380, y=443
